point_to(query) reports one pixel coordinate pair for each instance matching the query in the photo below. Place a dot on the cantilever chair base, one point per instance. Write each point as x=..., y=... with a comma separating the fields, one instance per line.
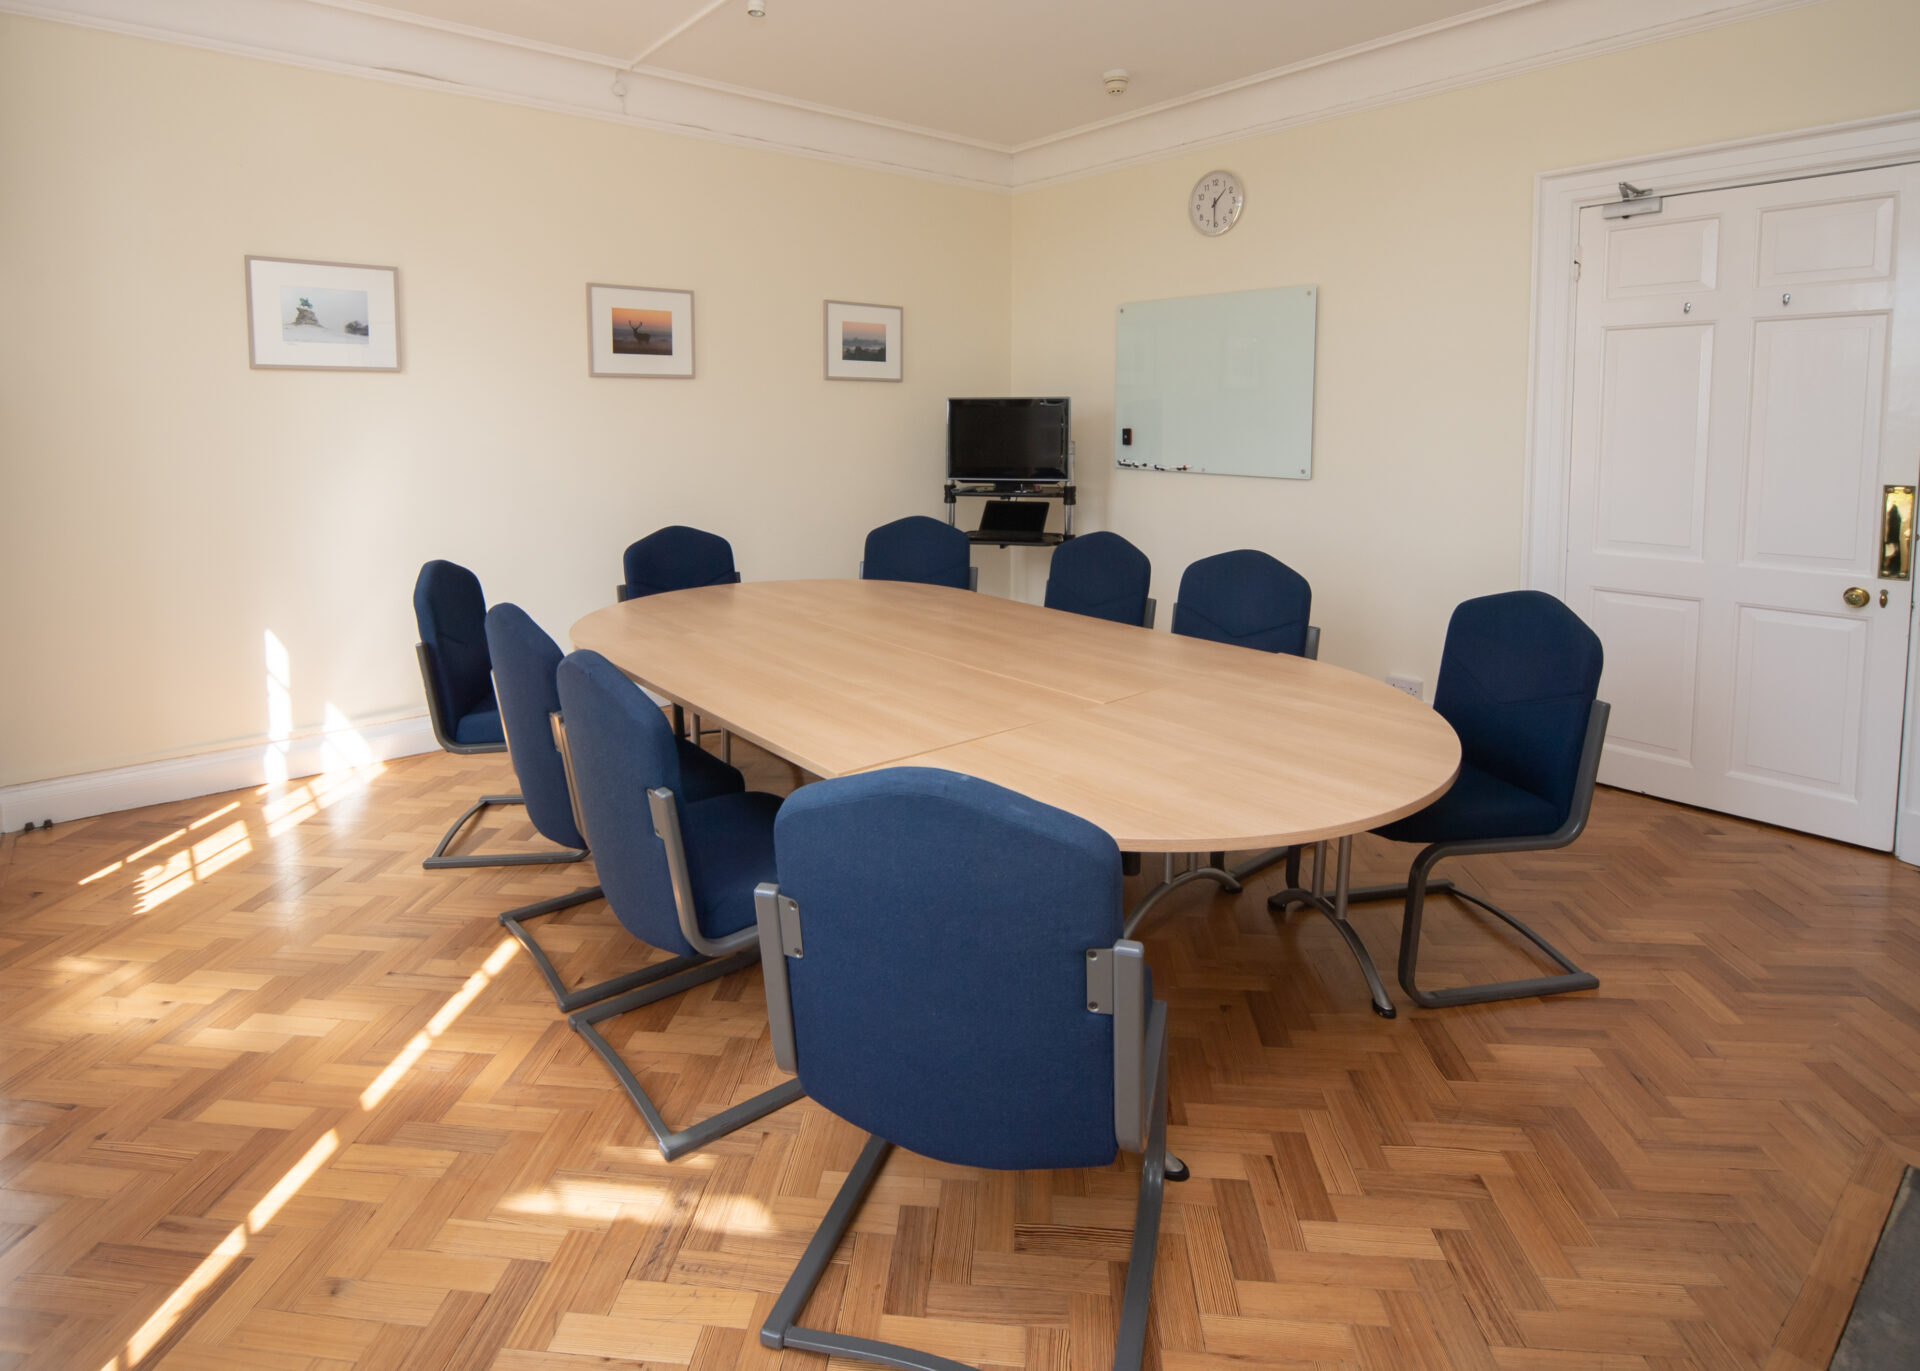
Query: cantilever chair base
x=438, y=860
x=1415, y=893
x=514, y=921
x=1156, y=1168
x=659, y=982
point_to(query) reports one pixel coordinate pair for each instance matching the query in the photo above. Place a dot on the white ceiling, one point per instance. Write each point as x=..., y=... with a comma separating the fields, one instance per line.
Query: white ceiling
x=1000, y=94
x=1003, y=72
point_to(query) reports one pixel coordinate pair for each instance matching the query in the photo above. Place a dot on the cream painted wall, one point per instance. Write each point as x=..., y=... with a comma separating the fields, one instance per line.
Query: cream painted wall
x=1416, y=223
x=162, y=506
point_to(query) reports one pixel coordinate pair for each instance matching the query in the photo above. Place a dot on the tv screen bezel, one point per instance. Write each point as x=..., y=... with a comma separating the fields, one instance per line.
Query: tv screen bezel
x=1009, y=402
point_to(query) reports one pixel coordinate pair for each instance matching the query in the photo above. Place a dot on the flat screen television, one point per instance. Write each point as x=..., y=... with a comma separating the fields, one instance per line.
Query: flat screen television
x=1007, y=441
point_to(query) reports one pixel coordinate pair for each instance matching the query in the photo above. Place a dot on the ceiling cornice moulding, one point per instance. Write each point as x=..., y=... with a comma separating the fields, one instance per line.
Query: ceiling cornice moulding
x=352, y=37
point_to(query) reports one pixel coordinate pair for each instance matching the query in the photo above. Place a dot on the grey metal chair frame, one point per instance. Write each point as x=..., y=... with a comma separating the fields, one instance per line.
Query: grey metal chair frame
x=711, y=959
x=1116, y=984
x=438, y=860
x=1419, y=885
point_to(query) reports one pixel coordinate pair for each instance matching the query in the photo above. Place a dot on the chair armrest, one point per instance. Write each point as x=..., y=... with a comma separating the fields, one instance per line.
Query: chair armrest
x=442, y=727
x=973, y=578
x=666, y=827
x=558, y=724
x=1146, y=619
x=1312, y=650
x=620, y=594
x=1590, y=749
x=767, y=902
x=1132, y=1072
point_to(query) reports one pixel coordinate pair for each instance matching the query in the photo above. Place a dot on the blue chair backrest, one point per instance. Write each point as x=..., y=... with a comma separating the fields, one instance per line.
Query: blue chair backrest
x=1101, y=575
x=524, y=660
x=1518, y=677
x=452, y=614
x=917, y=548
x=678, y=558
x=1246, y=598
x=941, y=1000
x=622, y=747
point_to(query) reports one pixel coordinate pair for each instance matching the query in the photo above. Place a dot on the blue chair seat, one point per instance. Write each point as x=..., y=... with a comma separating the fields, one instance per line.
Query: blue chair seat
x=481, y=726
x=729, y=842
x=1478, y=806
x=703, y=775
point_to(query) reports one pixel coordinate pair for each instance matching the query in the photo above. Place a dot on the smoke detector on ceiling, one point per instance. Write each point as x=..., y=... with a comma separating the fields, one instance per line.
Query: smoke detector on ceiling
x=1117, y=81
x=756, y=9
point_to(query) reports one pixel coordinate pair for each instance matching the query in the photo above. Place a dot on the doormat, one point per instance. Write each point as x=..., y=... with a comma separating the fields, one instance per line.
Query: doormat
x=1883, y=1331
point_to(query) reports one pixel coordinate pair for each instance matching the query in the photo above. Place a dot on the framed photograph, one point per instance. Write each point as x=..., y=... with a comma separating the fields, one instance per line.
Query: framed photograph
x=322, y=316
x=639, y=331
x=863, y=342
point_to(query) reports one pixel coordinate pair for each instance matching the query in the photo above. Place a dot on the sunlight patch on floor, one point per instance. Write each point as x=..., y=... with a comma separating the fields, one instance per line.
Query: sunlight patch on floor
x=215, y=1263
x=455, y=1006
x=163, y=1320
x=191, y=864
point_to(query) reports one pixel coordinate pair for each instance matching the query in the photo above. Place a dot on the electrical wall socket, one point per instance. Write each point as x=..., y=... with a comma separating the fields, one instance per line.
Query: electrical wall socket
x=1411, y=685
x=1073, y=446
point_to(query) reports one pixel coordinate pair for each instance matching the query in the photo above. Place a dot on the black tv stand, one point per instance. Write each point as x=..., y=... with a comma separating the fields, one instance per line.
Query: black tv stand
x=1062, y=491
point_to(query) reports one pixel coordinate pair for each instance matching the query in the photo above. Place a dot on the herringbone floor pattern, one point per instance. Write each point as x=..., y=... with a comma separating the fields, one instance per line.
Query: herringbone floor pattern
x=275, y=1099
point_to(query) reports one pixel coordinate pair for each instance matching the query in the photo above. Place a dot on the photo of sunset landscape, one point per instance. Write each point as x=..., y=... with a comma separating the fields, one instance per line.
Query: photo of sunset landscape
x=863, y=341
x=647, y=331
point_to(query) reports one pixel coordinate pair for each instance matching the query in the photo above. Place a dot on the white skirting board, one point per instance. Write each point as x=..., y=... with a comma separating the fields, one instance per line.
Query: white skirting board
x=62, y=798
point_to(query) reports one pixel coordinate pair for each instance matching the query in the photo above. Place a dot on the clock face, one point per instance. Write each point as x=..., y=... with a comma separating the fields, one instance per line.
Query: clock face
x=1216, y=203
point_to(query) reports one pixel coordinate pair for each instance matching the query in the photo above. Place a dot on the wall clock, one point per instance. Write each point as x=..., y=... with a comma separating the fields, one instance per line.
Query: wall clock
x=1216, y=204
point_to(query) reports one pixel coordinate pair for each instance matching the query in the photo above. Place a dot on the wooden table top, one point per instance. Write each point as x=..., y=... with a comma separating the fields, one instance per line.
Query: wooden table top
x=1170, y=744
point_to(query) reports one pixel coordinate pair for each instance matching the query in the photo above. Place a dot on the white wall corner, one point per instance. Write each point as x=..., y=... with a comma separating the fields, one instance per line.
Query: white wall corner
x=64, y=798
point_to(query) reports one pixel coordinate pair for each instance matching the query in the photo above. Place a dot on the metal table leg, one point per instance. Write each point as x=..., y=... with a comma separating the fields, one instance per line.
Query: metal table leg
x=1170, y=882
x=1336, y=910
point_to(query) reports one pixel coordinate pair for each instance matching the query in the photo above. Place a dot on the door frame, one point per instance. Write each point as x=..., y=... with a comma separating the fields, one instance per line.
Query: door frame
x=1558, y=199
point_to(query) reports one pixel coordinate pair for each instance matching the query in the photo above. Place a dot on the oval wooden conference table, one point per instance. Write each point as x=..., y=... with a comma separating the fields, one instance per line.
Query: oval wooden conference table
x=1170, y=744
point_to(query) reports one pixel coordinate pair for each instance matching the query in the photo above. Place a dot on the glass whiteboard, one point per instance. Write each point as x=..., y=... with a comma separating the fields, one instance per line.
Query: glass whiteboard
x=1219, y=384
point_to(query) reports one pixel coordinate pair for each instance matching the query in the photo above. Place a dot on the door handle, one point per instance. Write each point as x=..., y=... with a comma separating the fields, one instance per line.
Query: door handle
x=1856, y=596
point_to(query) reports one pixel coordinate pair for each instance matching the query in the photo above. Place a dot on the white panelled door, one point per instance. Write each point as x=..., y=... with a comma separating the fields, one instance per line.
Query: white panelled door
x=1746, y=383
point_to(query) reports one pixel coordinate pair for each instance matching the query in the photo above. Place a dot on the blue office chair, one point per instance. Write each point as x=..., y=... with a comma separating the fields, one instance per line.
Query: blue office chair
x=676, y=558
x=679, y=873
x=1519, y=682
x=524, y=662
x=1102, y=576
x=917, y=548
x=451, y=613
x=944, y=969
x=1248, y=599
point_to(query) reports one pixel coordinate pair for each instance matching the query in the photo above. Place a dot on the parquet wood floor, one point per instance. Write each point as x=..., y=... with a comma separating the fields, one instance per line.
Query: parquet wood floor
x=275, y=1099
